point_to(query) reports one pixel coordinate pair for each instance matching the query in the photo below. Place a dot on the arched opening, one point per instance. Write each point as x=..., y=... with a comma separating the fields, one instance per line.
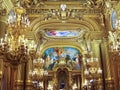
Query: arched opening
x=63, y=79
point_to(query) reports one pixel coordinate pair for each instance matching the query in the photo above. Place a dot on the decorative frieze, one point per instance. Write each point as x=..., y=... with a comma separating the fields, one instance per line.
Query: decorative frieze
x=38, y=11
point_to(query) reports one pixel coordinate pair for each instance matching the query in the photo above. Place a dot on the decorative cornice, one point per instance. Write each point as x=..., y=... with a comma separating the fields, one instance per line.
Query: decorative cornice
x=82, y=11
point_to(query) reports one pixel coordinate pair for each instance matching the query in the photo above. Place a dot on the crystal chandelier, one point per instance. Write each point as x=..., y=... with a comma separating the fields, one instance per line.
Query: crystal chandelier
x=18, y=25
x=38, y=74
x=14, y=48
x=92, y=70
x=14, y=41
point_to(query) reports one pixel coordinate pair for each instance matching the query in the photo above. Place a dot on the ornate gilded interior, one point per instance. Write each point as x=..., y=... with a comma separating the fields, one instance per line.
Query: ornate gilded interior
x=59, y=44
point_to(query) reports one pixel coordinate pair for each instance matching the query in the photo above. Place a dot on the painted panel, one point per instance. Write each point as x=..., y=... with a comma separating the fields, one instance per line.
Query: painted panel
x=113, y=19
x=53, y=55
x=65, y=33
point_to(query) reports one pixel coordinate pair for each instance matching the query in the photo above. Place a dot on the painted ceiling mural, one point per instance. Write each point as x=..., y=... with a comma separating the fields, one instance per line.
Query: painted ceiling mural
x=65, y=33
x=53, y=55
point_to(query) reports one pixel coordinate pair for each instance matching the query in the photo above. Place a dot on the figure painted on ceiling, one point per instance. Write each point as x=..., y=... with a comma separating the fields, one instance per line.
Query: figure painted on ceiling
x=69, y=55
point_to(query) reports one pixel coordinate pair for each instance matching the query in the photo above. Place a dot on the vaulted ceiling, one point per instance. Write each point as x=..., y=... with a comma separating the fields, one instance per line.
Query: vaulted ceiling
x=89, y=15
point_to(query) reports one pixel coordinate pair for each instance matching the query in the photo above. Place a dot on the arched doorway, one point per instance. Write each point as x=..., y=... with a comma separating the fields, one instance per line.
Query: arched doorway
x=63, y=79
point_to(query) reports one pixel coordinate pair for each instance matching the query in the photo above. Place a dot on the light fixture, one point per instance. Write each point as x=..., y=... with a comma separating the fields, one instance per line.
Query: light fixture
x=92, y=69
x=38, y=74
x=14, y=48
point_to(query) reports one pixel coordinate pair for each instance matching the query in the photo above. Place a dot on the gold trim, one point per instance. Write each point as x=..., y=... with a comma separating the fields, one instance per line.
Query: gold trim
x=39, y=23
x=50, y=45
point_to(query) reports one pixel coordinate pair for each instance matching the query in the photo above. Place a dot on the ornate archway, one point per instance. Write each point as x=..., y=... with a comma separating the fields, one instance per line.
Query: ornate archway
x=62, y=77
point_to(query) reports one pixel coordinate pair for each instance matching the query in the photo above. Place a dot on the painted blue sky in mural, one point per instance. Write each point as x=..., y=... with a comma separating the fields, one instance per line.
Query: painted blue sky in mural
x=65, y=33
x=51, y=55
x=62, y=51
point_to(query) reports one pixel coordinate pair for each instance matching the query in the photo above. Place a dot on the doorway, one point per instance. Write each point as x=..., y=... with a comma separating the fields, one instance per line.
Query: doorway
x=63, y=80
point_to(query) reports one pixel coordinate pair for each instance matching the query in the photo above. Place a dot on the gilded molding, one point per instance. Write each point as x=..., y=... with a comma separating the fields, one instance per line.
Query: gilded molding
x=61, y=44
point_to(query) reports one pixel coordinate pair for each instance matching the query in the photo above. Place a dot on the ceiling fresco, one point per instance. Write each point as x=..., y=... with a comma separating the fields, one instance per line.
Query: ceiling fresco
x=65, y=33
